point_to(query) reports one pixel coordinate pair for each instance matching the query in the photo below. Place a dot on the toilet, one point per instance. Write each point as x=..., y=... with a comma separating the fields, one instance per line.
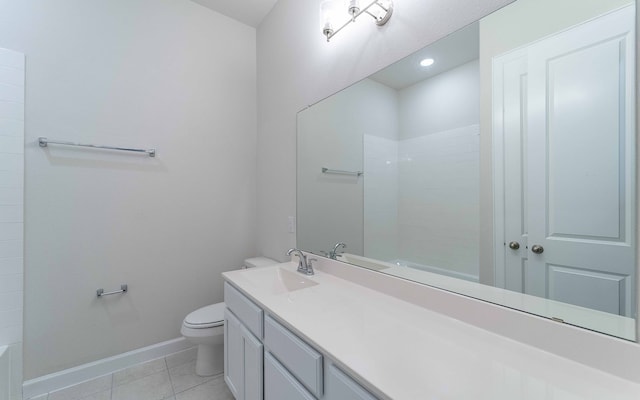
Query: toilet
x=205, y=328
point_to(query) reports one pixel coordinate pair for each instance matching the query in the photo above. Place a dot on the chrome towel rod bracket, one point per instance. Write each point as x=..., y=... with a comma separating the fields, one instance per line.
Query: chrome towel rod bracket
x=44, y=142
x=123, y=289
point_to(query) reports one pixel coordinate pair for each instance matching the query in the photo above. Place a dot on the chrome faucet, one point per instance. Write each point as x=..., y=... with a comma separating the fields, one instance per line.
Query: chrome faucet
x=334, y=253
x=304, y=266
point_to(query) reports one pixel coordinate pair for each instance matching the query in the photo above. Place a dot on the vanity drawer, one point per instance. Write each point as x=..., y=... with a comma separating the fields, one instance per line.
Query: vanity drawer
x=279, y=384
x=299, y=358
x=243, y=308
x=341, y=387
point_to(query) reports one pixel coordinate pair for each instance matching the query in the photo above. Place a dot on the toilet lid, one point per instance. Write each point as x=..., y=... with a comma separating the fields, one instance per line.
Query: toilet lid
x=206, y=317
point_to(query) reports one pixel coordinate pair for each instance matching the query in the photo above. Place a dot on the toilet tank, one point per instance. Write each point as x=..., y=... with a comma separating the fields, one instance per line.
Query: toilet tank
x=258, y=262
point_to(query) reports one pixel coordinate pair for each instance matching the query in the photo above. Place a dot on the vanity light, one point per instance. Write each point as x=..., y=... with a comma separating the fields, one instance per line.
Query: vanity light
x=330, y=14
x=427, y=62
x=353, y=7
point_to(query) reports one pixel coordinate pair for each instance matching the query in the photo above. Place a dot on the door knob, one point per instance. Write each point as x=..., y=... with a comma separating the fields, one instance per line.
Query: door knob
x=536, y=248
x=514, y=245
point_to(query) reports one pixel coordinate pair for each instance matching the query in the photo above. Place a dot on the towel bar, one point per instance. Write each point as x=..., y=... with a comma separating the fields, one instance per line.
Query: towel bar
x=123, y=289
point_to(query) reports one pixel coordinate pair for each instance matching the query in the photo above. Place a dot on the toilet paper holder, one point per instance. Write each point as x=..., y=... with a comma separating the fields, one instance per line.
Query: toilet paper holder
x=123, y=289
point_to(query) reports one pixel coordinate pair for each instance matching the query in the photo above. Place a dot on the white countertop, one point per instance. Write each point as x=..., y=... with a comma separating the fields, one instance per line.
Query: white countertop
x=610, y=324
x=403, y=351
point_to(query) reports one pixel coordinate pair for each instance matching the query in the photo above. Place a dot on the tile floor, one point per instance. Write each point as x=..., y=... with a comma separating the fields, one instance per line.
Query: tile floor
x=172, y=378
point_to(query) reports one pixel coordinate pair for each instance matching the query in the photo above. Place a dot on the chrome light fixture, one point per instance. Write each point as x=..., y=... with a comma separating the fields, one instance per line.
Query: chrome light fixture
x=330, y=14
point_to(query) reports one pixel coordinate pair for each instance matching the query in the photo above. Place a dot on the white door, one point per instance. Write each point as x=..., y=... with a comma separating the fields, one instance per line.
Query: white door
x=574, y=212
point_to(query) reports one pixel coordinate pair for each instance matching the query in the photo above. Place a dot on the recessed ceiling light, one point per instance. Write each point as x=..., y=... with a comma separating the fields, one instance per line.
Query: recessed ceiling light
x=427, y=62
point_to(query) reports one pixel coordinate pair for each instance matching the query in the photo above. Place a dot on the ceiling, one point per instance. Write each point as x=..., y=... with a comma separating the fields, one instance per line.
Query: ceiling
x=449, y=52
x=250, y=12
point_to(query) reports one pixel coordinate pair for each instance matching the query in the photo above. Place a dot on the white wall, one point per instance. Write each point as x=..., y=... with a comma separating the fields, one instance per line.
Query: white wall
x=446, y=101
x=297, y=67
x=12, y=71
x=167, y=74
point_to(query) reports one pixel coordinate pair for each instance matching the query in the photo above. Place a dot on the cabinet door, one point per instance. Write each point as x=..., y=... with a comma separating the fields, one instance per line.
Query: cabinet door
x=341, y=387
x=253, y=356
x=233, y=355
x=279, y=384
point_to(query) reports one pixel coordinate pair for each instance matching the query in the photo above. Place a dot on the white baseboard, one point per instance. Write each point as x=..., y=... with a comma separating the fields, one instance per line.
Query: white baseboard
x=85, y=372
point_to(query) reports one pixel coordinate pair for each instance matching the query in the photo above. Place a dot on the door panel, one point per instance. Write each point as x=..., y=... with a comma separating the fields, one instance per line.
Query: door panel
x=576, y=286
x=585, y=141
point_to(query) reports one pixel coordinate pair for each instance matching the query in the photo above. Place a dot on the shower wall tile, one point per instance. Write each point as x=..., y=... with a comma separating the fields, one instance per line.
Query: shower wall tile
x=10, y=318
x=12, y=77
x=10, y=179
x=11, y=266
x=12, y=144
x=11, y=231
x=11, y=283
x=380, y=198
x=10, y=92
x=11, y=334
x=11, y=215
x=11, y=127
x=11, y=59
x=11, y=162
x=11, y=196
x=11, y=111
x=10, y=301
x=11, y=248
x=439, y=187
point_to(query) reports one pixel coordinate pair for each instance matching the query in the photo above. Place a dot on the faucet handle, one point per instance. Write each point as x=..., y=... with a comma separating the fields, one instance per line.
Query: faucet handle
x=309, y=270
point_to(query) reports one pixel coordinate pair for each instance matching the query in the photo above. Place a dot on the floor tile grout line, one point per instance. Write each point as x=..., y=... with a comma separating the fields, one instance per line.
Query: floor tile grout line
x=173, y=390
x=182, y=363
x=146, y=375
x=212, y=377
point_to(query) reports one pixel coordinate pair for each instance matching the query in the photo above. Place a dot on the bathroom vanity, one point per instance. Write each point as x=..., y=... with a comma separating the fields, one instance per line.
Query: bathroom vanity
x=264, y=359
x=291, y=336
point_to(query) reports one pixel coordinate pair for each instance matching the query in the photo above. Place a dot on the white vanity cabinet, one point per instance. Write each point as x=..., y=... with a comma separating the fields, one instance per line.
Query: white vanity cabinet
x=264, y=360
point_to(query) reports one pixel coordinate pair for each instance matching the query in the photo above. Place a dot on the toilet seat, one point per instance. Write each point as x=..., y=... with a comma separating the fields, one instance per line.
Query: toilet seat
x=206, y=317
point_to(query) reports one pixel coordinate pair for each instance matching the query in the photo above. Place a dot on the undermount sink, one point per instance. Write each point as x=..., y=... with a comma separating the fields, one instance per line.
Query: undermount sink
x=279, y=280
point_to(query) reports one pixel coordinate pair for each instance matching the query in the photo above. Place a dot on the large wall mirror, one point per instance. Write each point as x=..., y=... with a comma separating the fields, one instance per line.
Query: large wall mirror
x=498, y=162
